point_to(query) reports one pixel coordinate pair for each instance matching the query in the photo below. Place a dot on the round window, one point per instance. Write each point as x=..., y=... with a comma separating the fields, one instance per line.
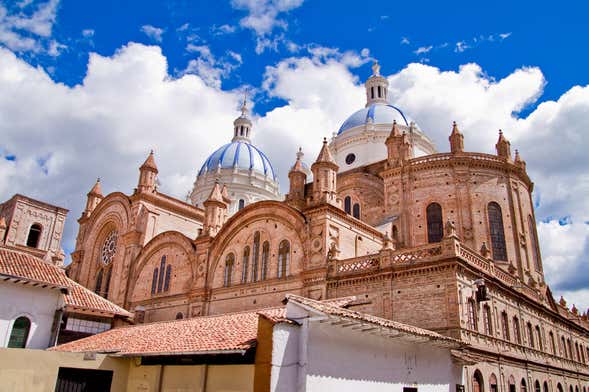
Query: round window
x=109, y=247
x=350, y=158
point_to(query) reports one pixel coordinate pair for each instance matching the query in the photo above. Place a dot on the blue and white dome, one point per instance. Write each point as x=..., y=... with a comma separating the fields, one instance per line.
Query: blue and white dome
x=239, y=154
x=375, y=113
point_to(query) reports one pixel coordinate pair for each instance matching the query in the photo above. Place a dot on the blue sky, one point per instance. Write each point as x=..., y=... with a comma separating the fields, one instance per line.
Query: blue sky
x=87, y=88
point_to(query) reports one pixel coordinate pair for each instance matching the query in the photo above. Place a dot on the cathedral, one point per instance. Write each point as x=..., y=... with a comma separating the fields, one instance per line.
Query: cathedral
x=444, y=241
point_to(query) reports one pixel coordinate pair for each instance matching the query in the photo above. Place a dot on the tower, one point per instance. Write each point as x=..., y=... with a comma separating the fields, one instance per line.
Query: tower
x=376, y=87
x=147, y=175
x=456, y=140
x=325, y=177
x=93, y=198
x=297, y=178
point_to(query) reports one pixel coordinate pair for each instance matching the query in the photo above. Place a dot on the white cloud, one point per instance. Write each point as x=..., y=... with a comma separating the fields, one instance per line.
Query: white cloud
x=208, y=67
x=155, y=33
x=405, y=41
x=223, y=29
x=22, y=31
x=127, y=104
x=461, y=46
x=264, y=15
x=504, y=35
x=423, y=49
x=88, y=33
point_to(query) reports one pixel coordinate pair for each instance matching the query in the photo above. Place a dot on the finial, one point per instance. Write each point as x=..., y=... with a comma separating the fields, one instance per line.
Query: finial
x=300, y=154
x=244, y=105
x=375, y=68
x=324, y=140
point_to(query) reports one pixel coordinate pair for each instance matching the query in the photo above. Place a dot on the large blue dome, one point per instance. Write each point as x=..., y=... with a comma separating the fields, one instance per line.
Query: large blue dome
x=377, y=114
x=241, y=155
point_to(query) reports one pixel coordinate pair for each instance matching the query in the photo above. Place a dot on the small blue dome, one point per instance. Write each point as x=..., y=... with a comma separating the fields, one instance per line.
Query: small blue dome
x=377, y=114
x=241, y=155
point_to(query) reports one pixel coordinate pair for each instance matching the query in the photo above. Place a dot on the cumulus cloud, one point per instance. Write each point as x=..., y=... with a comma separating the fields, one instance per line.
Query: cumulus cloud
x=210, y=69
x=264, y=15
x=54, y=149
x=23, y=29
x=155, y=33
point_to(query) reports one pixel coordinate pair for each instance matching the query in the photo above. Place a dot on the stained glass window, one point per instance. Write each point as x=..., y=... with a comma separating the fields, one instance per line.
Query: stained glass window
x=497, y=234
x=283, y=258
x=435, y=228
x=109, y=247
x=265, y=256
x=246, y=261
x=229, y=262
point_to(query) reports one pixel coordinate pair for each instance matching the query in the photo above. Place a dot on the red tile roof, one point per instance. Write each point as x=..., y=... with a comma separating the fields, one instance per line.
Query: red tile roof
x=25, y=267
x=221, y=333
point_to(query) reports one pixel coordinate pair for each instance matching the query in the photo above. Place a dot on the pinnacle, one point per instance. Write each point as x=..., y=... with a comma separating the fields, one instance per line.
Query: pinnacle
x=149, y=163
x=325, y=154
x=395, y=129
x=216, y=193
x=298, y=165
x=96, y=189
x=455, y=129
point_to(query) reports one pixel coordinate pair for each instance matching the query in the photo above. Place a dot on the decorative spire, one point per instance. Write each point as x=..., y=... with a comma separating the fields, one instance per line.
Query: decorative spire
x=376, y=87
x=298, y=165
x=325, y=154
x=96, y=189
x=456, y=139
x=395, y=130
x=149, y=163
x=518, y=161
x=375, y=68
x=503, y=147
x=225, y=194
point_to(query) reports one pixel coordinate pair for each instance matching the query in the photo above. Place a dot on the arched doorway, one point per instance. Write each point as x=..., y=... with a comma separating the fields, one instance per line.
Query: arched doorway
x=493, y=383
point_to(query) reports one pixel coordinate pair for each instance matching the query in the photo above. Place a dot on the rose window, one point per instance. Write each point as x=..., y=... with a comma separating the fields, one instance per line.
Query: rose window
x=109, y=247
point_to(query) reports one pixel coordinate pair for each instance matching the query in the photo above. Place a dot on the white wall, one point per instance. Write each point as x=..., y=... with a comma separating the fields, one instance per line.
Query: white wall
x=323, y=357
x=38, y=304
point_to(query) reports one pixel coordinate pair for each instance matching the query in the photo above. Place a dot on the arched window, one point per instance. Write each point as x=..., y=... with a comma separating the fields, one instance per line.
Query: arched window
x=582, y=354
x=372, y=92
x=493, y=383
x=20, y=333
x=530, y=335
x=563, y=347
x=516, y=331
x=348, y=204
x=256, y=256
x=179, y=316
x=472, y=316
x=229, y=262
x=168, y=276
x=98, y=286
x=107, y=283
x=552, y=343
x=283, y=258
x=537, y=387
x=570, y=388
x=534, y=243
x=395, y=234
x=559, y=388
x=539, y=338
x=578, y=352
x=505, y=326
x=265, y=257
x=545, y=387
x=477, y=382
x=435, y=230
x=379, y=92
x=511, y=384
x=154, y=281
x=34, y=236
x=246, y=261
x=160, y=279
x=523, y=386
x=241, y=204
x=570, y=349
x=497, y=233
x=356, y=211
x=487, y=320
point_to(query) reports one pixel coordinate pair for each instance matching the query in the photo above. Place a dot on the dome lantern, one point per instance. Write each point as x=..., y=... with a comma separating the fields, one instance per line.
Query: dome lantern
x=376, y=87
x=242, y=126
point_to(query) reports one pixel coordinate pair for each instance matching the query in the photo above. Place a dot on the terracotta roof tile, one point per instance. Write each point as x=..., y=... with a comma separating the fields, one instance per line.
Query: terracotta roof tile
x=227, y=332
x=24, y=266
